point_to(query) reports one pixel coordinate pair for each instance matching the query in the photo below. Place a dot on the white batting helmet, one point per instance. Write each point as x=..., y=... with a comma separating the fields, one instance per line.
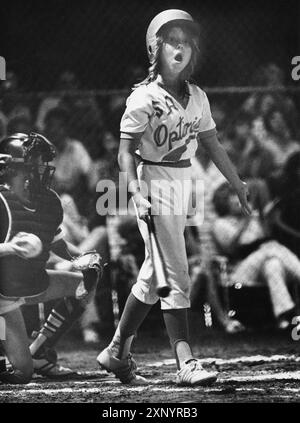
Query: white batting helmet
x=161, y=19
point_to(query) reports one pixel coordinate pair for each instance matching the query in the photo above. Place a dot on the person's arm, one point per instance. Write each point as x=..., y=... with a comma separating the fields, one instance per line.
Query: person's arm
x=219, y=156
x=64, y=249
x=126, y=159
x=6, y=249
x=13, y=248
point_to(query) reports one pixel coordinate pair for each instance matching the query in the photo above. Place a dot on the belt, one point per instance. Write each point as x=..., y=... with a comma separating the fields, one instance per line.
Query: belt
x=180, y=163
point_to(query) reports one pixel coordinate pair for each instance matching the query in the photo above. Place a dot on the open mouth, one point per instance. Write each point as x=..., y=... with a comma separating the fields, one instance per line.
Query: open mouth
x=178, y=57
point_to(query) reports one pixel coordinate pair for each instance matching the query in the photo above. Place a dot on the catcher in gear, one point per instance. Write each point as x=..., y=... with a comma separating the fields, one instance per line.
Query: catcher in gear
x=33, y=230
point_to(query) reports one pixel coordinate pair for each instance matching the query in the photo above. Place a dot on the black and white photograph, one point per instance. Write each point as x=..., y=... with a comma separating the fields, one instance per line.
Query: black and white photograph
x=149, y=204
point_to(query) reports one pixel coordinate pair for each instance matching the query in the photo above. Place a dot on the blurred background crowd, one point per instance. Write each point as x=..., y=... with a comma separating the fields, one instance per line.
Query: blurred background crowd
x=245, y=271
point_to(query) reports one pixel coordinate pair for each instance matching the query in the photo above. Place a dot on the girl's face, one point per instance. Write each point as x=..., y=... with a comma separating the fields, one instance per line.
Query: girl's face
x=176, y=51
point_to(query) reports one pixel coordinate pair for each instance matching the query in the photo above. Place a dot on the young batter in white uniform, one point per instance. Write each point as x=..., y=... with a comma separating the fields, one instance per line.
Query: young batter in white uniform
x=165, y=118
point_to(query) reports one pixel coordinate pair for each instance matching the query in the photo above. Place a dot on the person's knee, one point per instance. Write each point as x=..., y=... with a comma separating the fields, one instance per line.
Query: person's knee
x=272, y=266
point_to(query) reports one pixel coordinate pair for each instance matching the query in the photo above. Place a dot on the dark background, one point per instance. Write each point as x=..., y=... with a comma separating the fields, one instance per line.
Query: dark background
x=98, y=40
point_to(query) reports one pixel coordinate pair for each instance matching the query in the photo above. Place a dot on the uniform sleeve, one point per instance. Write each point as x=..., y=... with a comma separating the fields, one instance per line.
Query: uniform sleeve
x=138, y=112
x=207, y=124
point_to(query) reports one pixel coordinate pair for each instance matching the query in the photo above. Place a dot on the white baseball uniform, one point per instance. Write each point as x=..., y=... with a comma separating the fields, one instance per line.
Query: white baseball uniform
x=169, y=141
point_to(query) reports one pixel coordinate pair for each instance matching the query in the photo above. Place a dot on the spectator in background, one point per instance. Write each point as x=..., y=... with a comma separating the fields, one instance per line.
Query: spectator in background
x=204, y=287
x=200, y=246
x=270, y=76
x=218, y=111
x=251, y=157
x=238, y=138
x=12, y=103
x=87, y=123
x=279, y=139
x=67, y=83
x=256, y=258
x=284, y=212
x=86, y=117
x=106, y=167
x=73, y=163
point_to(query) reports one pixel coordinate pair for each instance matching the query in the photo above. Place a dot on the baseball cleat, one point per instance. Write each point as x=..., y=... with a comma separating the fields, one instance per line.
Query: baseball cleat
x=192, y=374
x=123, y=369
x=45, y=364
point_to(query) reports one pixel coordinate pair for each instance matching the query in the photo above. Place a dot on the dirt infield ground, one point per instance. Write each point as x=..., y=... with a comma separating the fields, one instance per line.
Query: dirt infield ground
x=262, y=367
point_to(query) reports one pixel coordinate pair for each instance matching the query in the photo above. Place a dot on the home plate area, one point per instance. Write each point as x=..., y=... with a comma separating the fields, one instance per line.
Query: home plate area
x=252, y=378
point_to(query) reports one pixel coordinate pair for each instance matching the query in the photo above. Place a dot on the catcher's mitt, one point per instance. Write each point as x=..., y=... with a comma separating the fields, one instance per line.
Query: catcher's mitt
x=87, y=261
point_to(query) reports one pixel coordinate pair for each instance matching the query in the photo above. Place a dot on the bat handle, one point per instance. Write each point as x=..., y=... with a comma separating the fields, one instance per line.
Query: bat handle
x=150, y=224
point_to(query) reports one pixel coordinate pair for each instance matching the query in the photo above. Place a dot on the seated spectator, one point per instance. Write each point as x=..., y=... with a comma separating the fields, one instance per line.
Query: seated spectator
x=284, y=212
x=204, y=287
x=255, y=257
x=200, y=247
x=74, y=165
x=251, y=157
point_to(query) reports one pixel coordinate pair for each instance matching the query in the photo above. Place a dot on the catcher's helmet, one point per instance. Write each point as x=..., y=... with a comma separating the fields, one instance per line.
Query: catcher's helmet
x=31, y=151
x=162, y=19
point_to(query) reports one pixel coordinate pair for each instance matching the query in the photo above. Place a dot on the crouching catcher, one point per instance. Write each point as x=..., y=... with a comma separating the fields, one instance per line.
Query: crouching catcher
x=33, y=215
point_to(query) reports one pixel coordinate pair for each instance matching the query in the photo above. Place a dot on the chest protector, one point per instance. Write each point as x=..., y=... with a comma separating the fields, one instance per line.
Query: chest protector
x=20, y=277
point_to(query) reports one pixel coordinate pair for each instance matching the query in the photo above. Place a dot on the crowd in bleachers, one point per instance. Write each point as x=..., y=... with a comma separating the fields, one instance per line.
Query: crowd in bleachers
x=262, y=139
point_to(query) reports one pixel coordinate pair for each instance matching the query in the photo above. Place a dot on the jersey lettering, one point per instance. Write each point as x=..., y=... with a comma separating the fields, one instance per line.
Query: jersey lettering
x=162, y=135
x=170, y=104
x=158, y=110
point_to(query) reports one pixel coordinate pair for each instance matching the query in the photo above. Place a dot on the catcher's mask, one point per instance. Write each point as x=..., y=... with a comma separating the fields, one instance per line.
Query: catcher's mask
x=31, y=153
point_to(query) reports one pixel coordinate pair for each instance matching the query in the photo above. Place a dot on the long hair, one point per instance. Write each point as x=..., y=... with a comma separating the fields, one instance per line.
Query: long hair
x=154, y=68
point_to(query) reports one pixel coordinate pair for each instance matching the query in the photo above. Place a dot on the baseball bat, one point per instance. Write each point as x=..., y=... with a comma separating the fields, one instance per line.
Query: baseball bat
x=162, y=285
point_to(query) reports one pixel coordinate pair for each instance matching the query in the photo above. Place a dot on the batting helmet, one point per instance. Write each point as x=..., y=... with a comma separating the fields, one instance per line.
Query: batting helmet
x=162, y=19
